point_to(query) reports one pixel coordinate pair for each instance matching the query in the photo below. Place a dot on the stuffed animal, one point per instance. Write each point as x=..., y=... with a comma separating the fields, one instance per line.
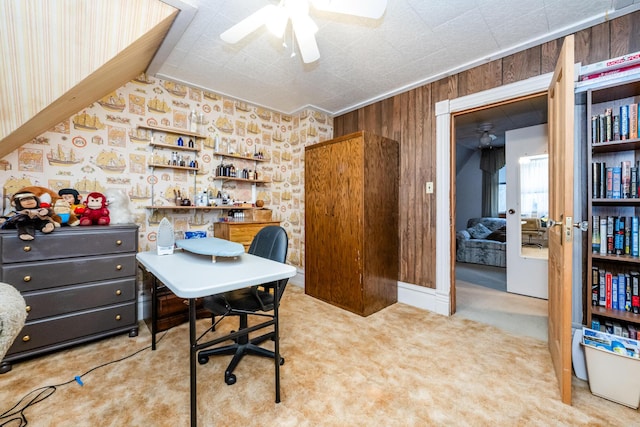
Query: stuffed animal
x=72, y=196
x=29, y=216
x=96, y=212
x=62, y=209
x=119, y=205
x=46, y=197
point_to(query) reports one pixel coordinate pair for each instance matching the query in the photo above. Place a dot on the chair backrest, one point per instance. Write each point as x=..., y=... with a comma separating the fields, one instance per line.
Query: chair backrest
x=531, y=224
x=271, y=242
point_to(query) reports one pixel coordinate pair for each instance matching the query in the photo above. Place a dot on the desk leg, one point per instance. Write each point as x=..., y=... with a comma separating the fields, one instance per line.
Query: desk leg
x=277, y=339
x=154, y=312
x=192, y=359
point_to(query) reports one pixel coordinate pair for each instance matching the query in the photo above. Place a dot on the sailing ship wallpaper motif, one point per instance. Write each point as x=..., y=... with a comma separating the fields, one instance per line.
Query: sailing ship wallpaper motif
x=120, y=152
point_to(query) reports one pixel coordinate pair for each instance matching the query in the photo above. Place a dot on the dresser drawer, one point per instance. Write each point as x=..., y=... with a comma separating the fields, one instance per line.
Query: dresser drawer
x=242, y=233
x=68, y=299
x=78, y=241
x=32, y=276
x=57, y=330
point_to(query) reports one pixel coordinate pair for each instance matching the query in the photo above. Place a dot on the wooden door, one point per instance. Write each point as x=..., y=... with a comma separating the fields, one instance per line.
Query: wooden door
x=561, y=182
x=318, y=223
x=346, y=189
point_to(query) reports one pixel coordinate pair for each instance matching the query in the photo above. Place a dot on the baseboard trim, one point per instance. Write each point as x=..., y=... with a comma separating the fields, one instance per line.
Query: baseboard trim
x=424, y=298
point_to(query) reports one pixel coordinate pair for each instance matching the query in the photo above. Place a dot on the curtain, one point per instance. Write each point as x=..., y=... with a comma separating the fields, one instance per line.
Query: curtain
x=491, y=161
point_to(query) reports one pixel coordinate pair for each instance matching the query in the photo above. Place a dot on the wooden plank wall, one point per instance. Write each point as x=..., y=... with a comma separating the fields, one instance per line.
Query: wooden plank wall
x=409, y=118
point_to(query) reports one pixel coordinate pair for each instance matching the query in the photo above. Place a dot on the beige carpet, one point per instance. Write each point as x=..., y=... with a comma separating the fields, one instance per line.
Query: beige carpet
x=399, y=367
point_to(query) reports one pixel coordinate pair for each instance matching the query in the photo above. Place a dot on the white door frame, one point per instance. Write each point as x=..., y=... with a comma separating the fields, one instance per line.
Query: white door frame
x=438, y=299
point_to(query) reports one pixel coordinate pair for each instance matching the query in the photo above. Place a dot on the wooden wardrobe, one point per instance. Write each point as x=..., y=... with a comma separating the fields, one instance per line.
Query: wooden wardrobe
x=351, y=222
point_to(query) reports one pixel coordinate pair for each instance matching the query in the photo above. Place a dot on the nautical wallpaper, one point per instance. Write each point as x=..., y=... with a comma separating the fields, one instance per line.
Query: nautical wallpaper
x=107, y=146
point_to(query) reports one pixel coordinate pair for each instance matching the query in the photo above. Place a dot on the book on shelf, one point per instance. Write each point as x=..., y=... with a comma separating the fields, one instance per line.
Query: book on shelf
x=627, y=236
x=610, y=64
x=634, y=182
x=627, y=293
x=595, y=180
x=625, y=179
x=616, y=127
x=602, y=289
x=624, y=122
x=595, y=234
x=633, y=121
x=623, y=279
x=616, y=183
x=595, y=285
x=635, y=293
x=610, y=235
x=635, y=235
x=614, y=292
x=618, y=239
x=603, y=235
x=609, y=183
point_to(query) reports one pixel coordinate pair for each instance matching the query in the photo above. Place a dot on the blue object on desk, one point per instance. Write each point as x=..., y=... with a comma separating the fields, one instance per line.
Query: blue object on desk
x=211, y=246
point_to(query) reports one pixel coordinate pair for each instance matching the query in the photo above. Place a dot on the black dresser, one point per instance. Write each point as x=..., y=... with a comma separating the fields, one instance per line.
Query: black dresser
x=79, y=284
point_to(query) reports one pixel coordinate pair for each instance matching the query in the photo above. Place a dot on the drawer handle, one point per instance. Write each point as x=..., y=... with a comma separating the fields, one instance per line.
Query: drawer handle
x=28, y=309
x=118, y=242
x=117, y=317
x=118, y=292
x=26, y=278
x=118, y=267
x=26, y=338
x=27, y=248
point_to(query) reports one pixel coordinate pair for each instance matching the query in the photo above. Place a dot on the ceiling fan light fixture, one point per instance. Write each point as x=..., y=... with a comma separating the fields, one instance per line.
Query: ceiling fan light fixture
x=486, y=139
x=277, y=22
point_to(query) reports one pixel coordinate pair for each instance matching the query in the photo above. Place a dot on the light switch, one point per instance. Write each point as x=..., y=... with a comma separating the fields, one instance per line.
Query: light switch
x=429, y=187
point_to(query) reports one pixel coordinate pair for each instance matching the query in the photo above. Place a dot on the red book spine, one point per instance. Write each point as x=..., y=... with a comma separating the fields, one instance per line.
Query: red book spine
x=608, y=290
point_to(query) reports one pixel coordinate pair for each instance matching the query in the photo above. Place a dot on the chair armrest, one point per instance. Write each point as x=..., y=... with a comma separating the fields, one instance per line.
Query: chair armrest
x=463, y=235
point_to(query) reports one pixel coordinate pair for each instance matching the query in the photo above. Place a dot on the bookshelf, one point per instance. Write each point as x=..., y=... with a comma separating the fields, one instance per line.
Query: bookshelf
x=613, y=207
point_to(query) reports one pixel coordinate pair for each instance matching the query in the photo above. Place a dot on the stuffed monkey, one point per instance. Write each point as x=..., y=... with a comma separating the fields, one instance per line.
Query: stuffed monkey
x=96, y=211
x=72, y=196
x=30, y=216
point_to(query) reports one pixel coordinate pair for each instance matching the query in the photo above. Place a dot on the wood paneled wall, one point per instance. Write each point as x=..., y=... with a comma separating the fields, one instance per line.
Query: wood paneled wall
x=409, y=118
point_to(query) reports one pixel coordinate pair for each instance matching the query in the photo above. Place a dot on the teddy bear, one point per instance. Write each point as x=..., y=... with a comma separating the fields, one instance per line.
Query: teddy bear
x=96, y=212
x=29, y=216
x=119, y=206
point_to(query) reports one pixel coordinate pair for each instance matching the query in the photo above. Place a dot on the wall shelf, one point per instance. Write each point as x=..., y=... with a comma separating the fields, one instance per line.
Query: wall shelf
x=204, y=208
x=252, y=181
x=237, y=156
x=175, y=131
x=174, y=147
x=187, y=168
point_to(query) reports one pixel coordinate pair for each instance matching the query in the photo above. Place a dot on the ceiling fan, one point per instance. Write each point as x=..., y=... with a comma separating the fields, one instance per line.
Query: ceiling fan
x=486, y=136
x=276, y=19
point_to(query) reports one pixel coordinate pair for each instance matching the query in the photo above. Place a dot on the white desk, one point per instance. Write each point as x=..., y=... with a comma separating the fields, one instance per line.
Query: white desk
x=192, y=276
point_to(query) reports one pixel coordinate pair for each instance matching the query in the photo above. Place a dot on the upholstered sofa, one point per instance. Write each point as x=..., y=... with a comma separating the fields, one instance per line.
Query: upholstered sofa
x=483, y=242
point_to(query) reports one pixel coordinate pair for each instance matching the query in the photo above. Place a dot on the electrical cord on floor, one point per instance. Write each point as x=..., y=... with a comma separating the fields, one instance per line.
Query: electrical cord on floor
x=16, y=413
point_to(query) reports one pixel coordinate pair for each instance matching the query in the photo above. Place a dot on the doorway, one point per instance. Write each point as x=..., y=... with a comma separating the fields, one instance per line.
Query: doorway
x=482, y=289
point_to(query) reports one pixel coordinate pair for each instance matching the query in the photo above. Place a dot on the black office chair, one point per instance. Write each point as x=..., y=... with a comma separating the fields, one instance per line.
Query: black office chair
x=271, y=242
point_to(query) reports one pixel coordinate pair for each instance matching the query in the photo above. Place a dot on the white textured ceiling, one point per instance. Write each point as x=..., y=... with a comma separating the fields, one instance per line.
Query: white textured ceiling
x=361, y=60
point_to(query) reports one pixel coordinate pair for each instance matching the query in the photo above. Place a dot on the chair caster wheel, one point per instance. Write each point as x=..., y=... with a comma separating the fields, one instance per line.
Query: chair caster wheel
x=203, y=359
x=230, y=379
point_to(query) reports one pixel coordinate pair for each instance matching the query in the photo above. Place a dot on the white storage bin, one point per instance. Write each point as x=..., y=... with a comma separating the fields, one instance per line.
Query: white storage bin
x=613, y=376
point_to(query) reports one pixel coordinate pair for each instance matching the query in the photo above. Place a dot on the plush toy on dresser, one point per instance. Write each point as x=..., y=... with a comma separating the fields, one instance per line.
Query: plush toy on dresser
x=120, y=210
x=96, y=212
x=29, y=216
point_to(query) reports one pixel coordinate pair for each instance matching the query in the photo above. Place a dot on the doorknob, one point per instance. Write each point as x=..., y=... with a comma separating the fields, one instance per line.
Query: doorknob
x=582, y=225
x=511, y=211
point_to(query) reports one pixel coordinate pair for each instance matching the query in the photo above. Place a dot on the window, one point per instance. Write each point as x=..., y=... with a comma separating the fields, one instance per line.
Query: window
x=502, y=190
x=534, y=186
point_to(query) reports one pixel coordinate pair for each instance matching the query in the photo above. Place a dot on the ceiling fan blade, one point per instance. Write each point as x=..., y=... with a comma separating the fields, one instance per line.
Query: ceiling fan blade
x=368, y=9
x=305, y=29
x=249, y=24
